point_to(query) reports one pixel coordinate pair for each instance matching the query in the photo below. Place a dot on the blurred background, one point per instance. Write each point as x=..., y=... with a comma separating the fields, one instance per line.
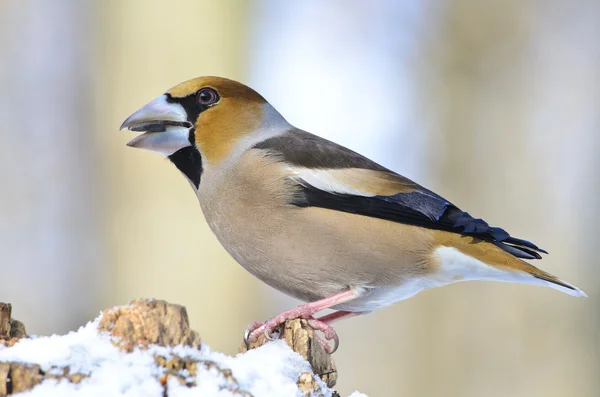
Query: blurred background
x=495, y=105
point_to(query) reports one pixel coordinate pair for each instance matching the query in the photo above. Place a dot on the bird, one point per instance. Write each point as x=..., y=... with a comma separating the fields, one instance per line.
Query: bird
x=314, y=219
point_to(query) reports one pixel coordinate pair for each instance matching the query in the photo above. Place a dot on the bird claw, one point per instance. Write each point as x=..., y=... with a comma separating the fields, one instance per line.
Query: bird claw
x=256, y=328
x=326, y=346
x=269, y=332
x=248, y=333
x=328, y=332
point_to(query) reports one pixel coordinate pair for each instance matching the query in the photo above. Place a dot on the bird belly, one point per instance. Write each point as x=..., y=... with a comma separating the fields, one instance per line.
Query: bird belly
x=310, y=254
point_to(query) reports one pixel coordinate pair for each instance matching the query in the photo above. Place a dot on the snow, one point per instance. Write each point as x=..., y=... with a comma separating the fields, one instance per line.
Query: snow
x=271, y=370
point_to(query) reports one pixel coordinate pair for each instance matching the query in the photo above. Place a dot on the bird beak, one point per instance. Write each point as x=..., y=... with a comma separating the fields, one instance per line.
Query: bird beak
x=165, y=126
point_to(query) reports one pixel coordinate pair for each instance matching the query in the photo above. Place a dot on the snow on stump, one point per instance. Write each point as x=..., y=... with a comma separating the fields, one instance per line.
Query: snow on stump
x=298, y=335
x=147, y=348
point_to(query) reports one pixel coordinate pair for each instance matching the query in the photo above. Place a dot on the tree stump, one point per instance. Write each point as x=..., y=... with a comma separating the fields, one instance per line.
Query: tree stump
x=149, y=322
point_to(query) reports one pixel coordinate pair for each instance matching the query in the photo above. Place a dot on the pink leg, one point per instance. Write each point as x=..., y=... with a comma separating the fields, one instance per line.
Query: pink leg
x=306, y=312
x=337, y=316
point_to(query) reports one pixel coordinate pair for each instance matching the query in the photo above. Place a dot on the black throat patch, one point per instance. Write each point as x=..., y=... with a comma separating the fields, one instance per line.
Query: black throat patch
x=189, y=161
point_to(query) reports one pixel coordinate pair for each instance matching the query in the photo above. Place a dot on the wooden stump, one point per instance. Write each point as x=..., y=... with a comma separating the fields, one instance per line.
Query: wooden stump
x=146, y=322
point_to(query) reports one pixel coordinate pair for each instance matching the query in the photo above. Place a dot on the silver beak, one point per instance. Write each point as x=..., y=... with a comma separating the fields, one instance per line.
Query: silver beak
x=165, y=126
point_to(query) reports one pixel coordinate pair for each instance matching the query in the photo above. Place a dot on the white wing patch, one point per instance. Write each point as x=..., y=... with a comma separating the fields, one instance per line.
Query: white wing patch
x=326, y=180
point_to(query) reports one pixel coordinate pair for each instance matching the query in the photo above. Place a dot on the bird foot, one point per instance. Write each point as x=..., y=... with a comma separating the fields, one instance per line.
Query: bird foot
x=269, y=327
x=256, y=328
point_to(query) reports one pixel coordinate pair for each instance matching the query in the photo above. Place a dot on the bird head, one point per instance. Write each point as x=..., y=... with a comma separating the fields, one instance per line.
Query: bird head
x=203, y=122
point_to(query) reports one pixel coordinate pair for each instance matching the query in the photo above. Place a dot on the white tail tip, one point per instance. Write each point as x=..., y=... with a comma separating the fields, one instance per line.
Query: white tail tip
x=573, y=291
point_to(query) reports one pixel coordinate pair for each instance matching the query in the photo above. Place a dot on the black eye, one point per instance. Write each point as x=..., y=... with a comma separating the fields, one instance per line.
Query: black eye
x=207, y=97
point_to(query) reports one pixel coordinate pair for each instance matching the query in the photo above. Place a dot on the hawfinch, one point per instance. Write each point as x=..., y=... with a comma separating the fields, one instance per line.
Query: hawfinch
x=314, y=219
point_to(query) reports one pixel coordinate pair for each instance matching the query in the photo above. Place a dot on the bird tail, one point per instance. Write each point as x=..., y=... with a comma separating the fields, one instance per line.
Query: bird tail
x=474, y=259
x=540, y=277
x=526, y=273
